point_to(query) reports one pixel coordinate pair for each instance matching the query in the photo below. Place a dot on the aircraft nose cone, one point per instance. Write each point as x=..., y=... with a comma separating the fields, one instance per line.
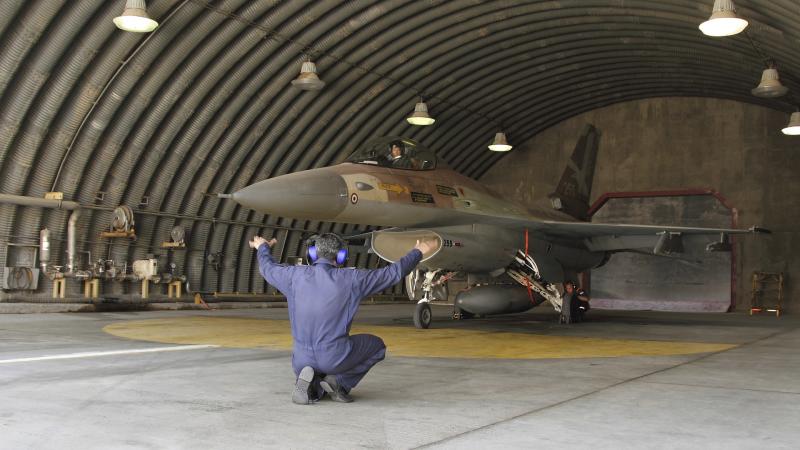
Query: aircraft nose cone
x=315, y=194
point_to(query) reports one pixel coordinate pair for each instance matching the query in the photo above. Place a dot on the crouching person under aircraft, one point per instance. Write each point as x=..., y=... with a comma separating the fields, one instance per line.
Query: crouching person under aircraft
x=575, y=303
x=323, y=300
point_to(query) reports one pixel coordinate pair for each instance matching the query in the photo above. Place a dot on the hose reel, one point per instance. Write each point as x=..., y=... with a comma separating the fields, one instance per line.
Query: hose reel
x=122, y=223
x=123, y=219
x=177, y=238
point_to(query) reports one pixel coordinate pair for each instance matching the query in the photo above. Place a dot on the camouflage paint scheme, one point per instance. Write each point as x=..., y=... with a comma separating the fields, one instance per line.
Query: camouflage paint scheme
x=476, y=230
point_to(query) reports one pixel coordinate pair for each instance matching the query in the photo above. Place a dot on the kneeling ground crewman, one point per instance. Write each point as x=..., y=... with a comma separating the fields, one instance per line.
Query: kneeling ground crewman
x=575, y=303
x=322, y=302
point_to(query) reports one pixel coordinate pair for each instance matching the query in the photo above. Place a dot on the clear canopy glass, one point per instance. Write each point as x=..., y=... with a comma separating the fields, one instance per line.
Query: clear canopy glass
x=395, y=152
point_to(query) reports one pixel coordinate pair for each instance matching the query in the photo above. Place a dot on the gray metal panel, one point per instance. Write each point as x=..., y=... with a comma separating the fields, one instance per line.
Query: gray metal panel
x=637, y=281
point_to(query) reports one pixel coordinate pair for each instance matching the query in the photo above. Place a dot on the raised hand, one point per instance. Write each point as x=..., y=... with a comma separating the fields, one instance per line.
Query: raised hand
x=425, y=246
x=258, y=240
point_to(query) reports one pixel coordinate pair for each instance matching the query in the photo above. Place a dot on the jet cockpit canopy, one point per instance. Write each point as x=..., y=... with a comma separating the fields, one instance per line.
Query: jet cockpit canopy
x=395, y=152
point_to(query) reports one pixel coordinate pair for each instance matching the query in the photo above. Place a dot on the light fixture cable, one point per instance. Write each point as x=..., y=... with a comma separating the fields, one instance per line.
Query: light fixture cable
x=96, y=102
x=770, y=62
x=310, y=50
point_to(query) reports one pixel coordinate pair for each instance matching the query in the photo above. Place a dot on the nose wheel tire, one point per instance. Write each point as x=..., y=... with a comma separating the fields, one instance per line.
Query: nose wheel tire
x=422, y=315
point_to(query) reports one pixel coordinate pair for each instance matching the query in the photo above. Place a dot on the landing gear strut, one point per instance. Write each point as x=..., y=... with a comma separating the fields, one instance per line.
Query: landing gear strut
x=525, y=272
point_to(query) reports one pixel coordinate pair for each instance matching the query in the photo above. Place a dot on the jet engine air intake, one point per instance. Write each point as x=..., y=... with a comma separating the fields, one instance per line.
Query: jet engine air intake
x=391, y=246
x=464, y=248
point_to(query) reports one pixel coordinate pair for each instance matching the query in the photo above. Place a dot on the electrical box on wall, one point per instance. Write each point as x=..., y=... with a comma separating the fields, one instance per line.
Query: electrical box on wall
x=20, y=279
x=145, y=269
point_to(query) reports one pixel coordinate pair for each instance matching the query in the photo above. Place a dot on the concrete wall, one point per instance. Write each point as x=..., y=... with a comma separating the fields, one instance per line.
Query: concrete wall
x=674, y=143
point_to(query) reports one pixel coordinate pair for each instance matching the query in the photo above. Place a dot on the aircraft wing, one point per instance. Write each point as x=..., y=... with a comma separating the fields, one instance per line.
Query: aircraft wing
x=618, y=237
x=591, y=230
x=658, y=239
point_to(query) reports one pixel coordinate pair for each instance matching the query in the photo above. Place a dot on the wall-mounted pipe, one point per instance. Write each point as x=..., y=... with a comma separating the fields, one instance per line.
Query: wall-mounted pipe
x=44, y=237
x=75, y=207
x=72, y=239
x=196, y=218
x=23, y=200
x=44, y=249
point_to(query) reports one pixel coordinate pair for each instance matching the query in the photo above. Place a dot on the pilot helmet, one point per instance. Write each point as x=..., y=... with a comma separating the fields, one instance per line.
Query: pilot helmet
x=399, y=144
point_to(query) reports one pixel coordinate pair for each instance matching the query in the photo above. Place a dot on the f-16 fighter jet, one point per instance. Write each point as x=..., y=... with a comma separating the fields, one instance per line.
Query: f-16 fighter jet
x=520, y=255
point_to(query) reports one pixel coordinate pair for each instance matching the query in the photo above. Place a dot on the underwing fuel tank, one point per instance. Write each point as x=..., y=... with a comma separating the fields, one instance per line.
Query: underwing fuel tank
x=494, y=299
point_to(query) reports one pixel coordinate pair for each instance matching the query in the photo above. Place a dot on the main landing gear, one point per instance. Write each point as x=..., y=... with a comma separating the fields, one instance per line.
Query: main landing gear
x=525, y=272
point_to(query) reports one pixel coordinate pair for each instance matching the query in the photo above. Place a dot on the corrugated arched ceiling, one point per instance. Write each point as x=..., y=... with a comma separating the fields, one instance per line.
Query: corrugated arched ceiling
x=204, y=103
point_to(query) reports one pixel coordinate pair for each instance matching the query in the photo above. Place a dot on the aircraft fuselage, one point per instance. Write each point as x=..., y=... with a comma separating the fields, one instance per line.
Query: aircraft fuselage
x=437, y=204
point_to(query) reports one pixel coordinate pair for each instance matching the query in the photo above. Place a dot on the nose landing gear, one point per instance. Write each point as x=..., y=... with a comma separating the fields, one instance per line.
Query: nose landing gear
x=424, y=288
x=422, y=315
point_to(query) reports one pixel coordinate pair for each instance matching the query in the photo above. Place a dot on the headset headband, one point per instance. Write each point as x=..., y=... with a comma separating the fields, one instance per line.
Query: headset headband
x=341, y=255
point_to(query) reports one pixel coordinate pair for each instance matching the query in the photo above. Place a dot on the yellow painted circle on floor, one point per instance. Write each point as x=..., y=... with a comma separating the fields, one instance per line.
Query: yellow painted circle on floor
x=402, y=341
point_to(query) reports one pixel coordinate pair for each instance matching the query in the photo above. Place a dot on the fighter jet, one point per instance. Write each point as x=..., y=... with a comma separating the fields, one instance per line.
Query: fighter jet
x=515, y=257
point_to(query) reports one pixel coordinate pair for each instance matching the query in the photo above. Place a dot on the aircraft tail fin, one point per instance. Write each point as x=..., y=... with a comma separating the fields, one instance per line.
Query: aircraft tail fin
x=573, y=191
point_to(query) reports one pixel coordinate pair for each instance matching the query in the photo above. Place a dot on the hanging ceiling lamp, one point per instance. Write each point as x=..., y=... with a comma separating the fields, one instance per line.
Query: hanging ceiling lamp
x=770, y=86
x=723, y=20
x=308, y=79
x=793, y=129
x=500, y=143
x=420, y=115
x=134, y=18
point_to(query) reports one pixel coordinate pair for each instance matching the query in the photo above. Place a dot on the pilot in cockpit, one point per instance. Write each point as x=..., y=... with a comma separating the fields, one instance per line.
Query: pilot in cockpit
x=397, y=156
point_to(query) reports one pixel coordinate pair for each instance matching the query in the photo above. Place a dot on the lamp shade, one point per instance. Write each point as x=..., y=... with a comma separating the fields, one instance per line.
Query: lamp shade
x=420, y=115
x=793, y=129
x=134, y=18
x=770, y=86
x=308, y=79
x=723, y=20
x=500, y=143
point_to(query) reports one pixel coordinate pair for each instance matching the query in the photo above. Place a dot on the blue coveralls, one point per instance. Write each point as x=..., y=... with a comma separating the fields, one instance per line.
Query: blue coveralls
x=322, y=303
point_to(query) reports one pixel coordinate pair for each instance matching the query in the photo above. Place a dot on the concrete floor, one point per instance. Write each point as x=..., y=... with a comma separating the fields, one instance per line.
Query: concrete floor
x=221, y=397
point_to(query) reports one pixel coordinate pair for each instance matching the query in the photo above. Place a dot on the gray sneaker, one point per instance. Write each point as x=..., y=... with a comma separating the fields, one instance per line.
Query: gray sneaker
x=337, y=393
x=300, y=393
